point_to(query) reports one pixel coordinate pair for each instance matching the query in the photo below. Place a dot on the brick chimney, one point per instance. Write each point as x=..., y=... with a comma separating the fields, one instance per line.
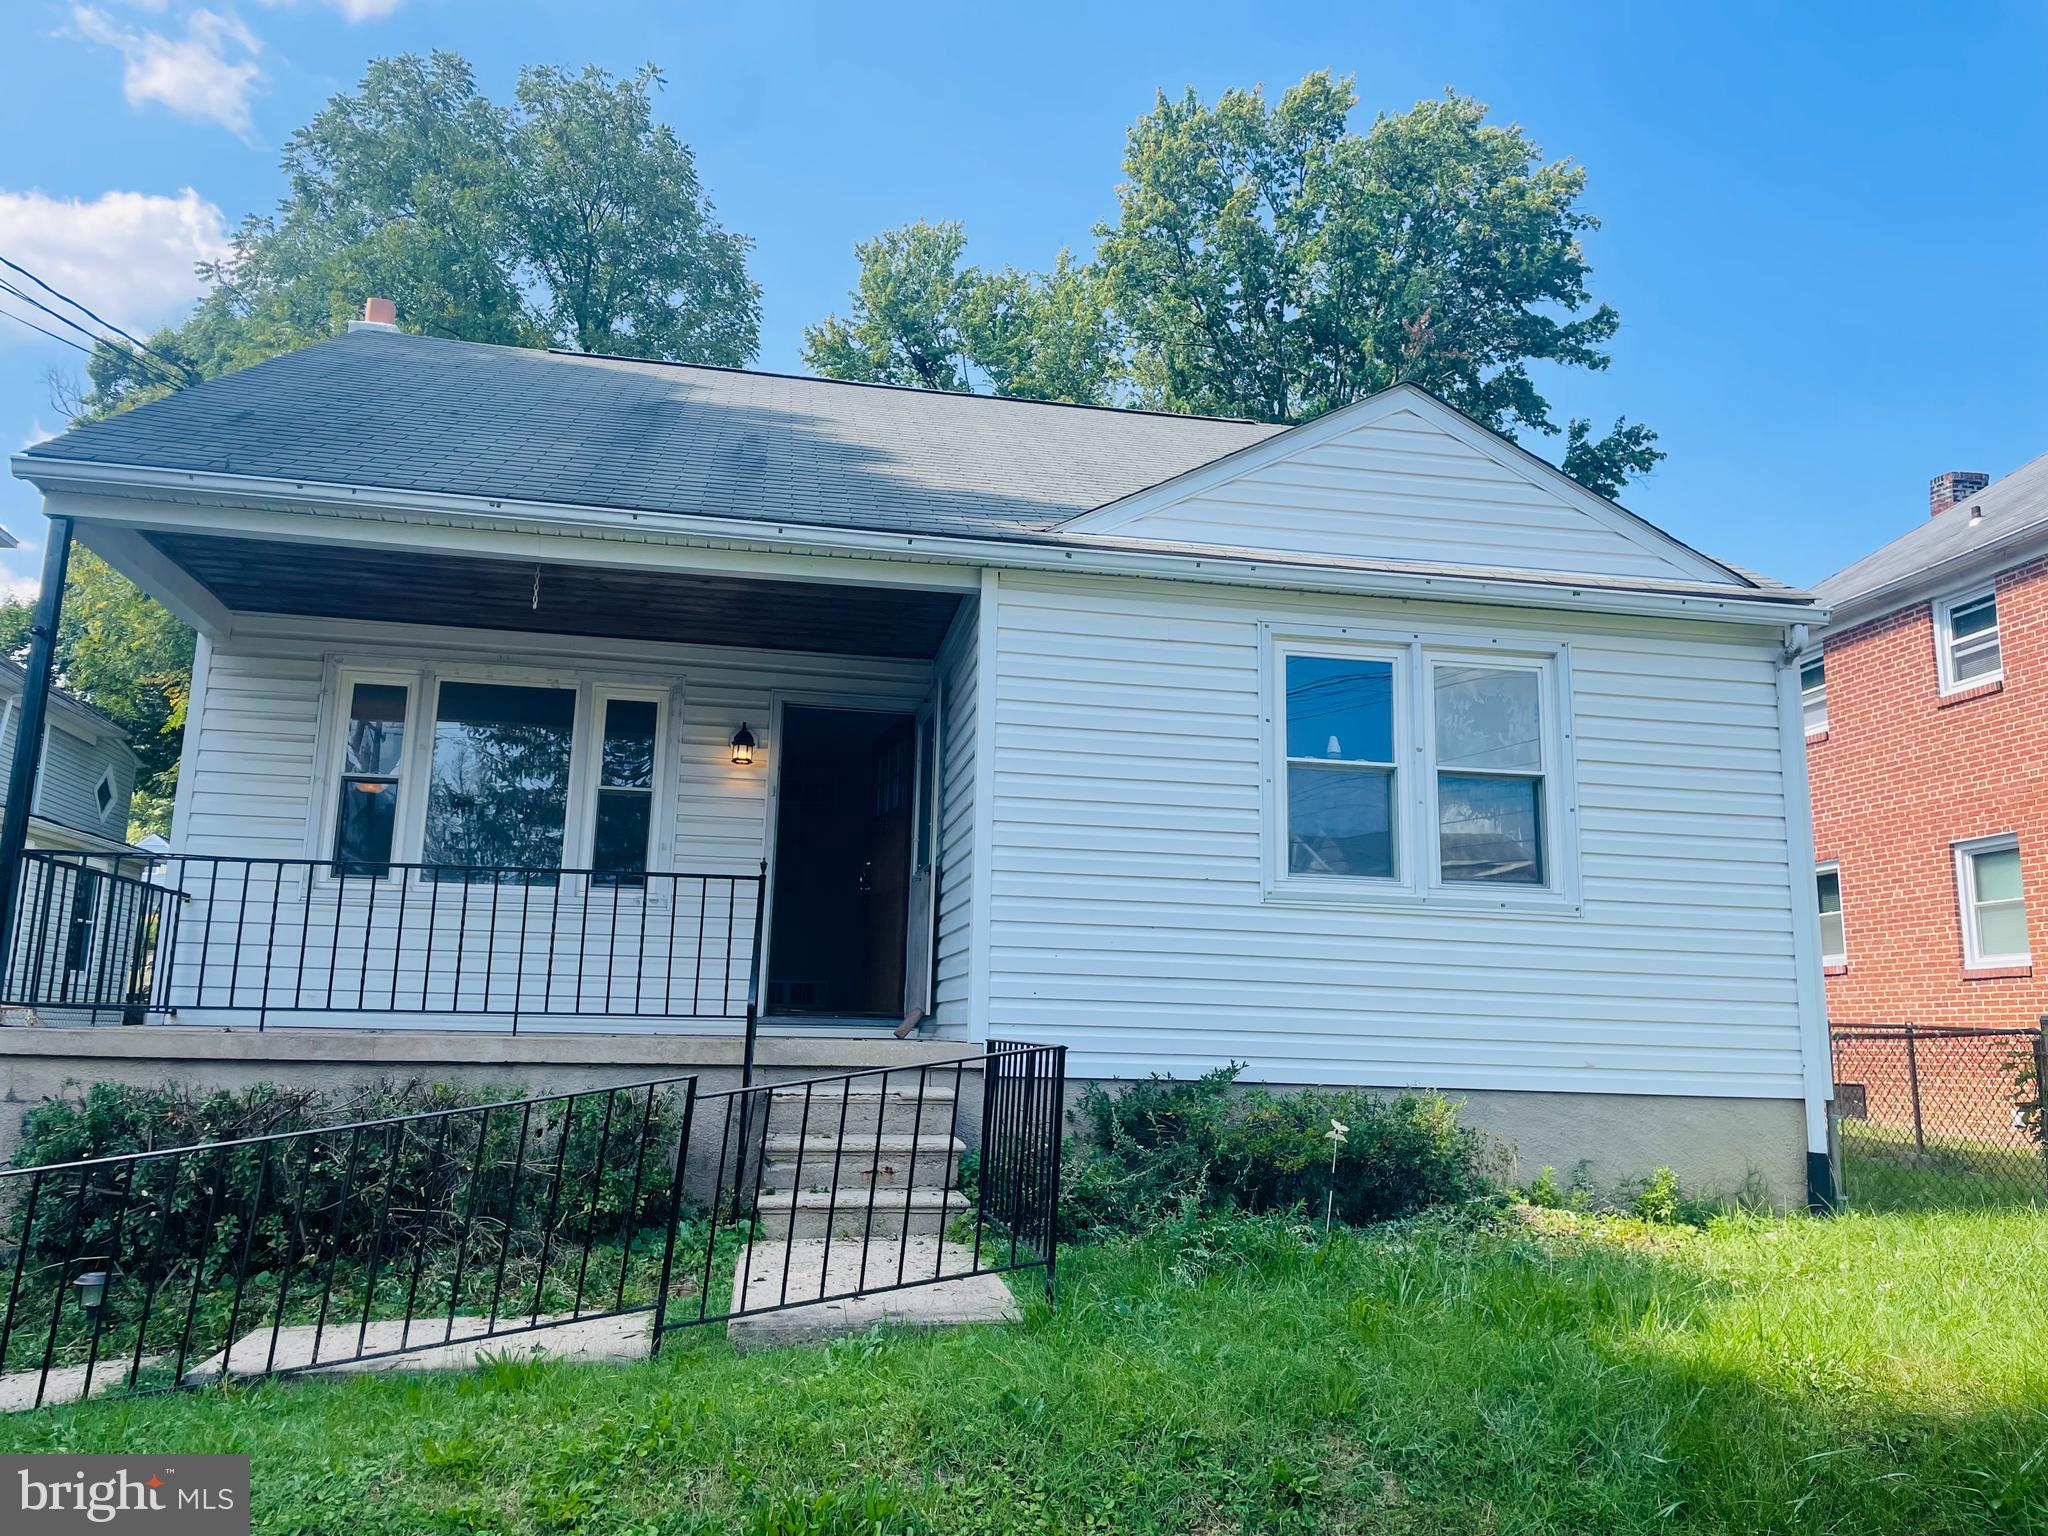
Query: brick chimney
x=1957, y=485
x=378, y=315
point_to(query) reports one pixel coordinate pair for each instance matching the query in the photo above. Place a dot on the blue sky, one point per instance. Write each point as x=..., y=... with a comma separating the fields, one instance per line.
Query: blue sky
x=1825, y=228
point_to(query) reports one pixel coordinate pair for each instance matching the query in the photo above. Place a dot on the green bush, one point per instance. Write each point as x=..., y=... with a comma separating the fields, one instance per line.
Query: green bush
x=1162, y=1150
x=523, y=1172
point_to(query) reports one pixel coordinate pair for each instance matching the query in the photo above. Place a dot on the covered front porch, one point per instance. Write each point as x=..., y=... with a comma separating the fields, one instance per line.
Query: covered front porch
x=476, y=779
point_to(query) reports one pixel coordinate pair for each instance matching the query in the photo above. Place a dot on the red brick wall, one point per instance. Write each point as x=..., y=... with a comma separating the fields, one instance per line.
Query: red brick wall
x=1900, y=776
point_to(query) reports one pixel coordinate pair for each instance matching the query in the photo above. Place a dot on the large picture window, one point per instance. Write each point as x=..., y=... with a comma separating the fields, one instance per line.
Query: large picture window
x=1340, y=767
x=498, y=787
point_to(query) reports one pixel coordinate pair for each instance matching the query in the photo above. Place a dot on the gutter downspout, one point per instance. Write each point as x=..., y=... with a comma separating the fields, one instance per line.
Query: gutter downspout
x=28, y=737
x=1815, y=1048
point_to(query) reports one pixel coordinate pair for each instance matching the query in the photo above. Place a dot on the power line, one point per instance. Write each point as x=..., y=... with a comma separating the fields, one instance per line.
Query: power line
x=174, y=380
x=66, y=340
x=144, y=346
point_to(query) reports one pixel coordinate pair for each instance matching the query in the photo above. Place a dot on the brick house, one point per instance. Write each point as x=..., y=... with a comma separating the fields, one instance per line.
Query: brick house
x=1926, y=703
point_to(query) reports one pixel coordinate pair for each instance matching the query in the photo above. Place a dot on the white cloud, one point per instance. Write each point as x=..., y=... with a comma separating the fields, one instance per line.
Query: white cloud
x=353, y=10
x=208, y=74
x=37, y=433
x=127, y=254
x=22, y=588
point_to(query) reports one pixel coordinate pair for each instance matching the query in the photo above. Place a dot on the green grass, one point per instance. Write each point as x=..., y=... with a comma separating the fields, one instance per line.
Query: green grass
x=1865, y=1374
x=1883, y=1170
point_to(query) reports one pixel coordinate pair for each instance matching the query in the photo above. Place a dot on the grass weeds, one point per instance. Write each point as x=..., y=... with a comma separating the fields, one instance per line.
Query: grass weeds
x=1513, y=1373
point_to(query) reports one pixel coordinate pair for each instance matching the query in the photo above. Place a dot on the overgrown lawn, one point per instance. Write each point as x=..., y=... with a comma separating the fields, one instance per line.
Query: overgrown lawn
x=1536, y=1373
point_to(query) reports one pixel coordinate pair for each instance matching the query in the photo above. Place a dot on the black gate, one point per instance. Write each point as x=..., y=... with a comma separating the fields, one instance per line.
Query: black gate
x=636, y=1209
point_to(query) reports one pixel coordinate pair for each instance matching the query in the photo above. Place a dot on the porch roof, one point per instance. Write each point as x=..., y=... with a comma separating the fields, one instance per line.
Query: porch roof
x=418, y=587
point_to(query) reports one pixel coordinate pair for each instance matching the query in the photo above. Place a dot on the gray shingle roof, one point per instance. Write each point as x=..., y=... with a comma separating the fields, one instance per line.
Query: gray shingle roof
x=2013, y=509
x=386, y=409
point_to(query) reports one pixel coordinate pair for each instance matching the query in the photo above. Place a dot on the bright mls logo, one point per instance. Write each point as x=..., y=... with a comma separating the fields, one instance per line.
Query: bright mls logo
x=165, y=1496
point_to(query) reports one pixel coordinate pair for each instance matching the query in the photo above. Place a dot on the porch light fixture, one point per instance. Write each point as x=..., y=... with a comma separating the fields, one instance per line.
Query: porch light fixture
x=92, y=1289
x=743, y=746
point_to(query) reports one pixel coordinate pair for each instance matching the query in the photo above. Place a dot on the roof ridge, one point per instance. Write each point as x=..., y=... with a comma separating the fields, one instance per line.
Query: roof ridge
x=907, y=389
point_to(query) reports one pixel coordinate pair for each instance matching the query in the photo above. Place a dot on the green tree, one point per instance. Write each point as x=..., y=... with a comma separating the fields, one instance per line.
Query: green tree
x=1267, y=261
x=128, y=657
x=918, y=317
x=568, y=218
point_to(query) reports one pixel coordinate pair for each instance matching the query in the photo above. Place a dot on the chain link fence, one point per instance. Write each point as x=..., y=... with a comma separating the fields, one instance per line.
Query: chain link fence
x=1932, y=1118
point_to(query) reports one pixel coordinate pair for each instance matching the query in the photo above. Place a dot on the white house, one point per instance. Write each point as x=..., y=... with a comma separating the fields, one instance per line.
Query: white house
x=590, y=697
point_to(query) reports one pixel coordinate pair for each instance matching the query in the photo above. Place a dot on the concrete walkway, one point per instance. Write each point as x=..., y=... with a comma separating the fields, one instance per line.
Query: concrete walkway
x=805, y=1269
x=433, y=1346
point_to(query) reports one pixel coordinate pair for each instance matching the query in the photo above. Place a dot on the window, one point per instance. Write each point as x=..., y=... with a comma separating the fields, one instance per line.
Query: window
x=373, y=751
x=103, y=792
x=1966, y=642
x=1813, y=694
x=85, y=904
x=1993, y=902
x=1488, y=738
x=498, y=786
x=1834, y=941
x=1340, y=789
x=625, y=790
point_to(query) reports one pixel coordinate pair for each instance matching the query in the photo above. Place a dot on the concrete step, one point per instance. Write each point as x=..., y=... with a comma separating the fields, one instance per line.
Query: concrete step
x=895, y=1108
x=888, y=1161
x=811, y=1213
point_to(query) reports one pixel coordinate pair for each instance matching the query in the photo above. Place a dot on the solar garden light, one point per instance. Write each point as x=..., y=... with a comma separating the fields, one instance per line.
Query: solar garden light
x=92, y=1289
x=1336, y=1136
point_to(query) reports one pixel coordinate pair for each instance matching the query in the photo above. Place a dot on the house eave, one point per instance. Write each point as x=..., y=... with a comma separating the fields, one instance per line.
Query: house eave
x=1055, y=551
x=1932, y=581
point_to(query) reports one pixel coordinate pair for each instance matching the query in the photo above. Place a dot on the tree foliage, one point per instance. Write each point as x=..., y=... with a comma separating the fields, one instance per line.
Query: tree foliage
x=1267, y=261
x=130, y=658
x=917, y=316
x=568, y=218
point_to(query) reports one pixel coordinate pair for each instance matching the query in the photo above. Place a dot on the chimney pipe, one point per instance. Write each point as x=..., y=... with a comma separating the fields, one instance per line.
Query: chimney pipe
x=1957, y=485
x=378, y=315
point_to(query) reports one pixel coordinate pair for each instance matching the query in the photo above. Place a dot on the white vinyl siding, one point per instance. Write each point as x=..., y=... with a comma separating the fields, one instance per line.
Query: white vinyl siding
x=957, y=703
x=1402, y=488
x=260, y=783
x=1131, y=919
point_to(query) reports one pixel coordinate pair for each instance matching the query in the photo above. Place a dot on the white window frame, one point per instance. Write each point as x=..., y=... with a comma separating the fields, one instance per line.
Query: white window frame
x=1550, y=830
x=590, y=685
x=1418, y=880
x=585, y=790
x=1828, y=956
x=1399, y=771
x=326, y=808
x=1967, y=903
x=1944, y=640
x=1809, y=696
x=107, y=782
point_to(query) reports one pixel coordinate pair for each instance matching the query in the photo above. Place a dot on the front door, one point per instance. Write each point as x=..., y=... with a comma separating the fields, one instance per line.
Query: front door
x=846, y=784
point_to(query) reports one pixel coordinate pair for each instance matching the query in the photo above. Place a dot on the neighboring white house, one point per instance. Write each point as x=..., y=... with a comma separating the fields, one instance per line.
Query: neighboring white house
x=1374, y=751
x=88, y=772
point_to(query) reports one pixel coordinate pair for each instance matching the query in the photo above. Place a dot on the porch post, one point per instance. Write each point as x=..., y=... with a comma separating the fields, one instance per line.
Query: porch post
x=28, y=738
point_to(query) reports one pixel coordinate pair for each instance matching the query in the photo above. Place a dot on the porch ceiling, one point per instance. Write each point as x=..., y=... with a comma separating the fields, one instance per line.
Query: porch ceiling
x=263, y=576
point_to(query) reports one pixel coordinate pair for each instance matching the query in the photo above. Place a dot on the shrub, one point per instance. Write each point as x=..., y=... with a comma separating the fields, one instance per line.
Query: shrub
x=327, y=1192
x=1163, y=1150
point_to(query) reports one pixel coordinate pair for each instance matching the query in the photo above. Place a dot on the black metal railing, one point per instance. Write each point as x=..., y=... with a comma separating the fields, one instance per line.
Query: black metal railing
x=307, y=1248
x=302, y=940
x=832, y=1188
x=427, y=1237
x=1931, y=1117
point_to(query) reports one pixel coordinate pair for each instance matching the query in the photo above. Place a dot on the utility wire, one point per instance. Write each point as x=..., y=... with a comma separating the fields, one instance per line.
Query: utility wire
x=66, y=340
x=190, y=376
x=176, y=381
